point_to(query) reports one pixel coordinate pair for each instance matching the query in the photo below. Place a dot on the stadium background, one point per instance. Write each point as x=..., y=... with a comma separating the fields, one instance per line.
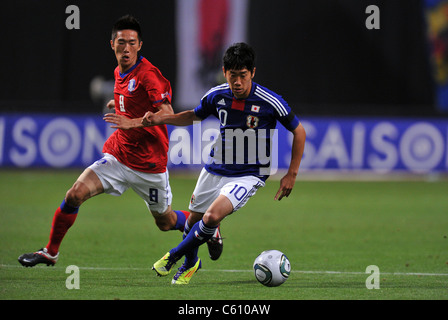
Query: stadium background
x=371, y=99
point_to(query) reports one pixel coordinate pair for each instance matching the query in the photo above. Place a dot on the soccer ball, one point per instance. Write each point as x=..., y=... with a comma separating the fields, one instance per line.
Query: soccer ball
x=272, y=268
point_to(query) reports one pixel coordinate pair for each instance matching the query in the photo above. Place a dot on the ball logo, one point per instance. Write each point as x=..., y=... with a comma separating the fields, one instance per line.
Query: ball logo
x=262, y=273
x=285, y=266
x=261, y=276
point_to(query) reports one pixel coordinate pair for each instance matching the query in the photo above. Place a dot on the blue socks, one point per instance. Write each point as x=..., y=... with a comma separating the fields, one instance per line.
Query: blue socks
x=198, y=235
x=191, y=256
x=181, y=219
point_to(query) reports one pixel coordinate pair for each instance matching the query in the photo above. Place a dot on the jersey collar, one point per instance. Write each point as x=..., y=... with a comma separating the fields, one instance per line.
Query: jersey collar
x=139, y=59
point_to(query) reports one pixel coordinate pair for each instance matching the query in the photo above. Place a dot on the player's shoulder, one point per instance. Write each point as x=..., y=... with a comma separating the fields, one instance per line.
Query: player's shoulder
x=222, y=88
x=266, y=93
x=147, y=66
x=272, y=99
x=150, y=72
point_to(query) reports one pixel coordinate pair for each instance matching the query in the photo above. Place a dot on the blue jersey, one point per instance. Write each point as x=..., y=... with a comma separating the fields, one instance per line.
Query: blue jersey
x=246, y=129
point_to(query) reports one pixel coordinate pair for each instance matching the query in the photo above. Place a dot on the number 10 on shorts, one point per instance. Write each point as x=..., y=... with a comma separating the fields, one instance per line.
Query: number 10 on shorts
x=238, y=192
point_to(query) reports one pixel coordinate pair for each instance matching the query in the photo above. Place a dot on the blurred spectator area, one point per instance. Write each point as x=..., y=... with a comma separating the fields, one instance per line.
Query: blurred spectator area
x=317, y=54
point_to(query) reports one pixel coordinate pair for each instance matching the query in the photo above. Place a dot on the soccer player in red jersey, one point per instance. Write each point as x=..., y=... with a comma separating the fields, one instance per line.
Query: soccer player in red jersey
x=135, y=158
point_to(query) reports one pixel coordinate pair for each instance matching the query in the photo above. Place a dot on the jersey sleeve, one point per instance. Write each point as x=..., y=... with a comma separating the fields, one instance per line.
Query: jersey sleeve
x=285, y=115
x=158, y=87
x=206, y=107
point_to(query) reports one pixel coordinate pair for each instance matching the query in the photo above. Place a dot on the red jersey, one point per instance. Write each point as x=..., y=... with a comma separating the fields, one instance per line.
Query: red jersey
x=142, y=88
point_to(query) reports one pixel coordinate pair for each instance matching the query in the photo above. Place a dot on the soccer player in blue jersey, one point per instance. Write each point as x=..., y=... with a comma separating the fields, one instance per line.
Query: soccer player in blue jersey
x=233, y=173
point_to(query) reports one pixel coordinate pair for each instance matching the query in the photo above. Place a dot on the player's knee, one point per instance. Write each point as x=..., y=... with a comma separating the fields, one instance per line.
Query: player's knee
x=76, y=195
x=211, y=218
x=218, y=210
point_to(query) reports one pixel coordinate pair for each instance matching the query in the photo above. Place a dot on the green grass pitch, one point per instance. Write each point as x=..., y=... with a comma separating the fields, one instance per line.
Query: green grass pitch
x=330, y=230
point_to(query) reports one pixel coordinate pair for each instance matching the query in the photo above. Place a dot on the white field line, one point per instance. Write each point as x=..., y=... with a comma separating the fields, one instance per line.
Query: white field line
x=245, y=270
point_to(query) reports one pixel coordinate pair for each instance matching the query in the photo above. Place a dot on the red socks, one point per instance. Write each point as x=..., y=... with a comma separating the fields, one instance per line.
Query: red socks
x=63, y=219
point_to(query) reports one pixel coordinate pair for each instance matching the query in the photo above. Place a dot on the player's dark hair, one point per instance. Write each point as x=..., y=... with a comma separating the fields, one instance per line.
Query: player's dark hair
x=127, y=22
x=239, y=56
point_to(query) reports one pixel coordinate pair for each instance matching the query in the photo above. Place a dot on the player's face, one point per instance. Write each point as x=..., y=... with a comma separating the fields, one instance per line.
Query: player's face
x=126, y=47
x=240, y=81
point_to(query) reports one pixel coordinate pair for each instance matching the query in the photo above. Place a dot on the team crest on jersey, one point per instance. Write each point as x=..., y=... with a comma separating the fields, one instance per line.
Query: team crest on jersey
x=131, y=86
x=252, y=121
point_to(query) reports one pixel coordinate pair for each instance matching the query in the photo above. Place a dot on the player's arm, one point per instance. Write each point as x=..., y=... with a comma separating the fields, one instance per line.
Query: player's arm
x=184, y=118
x=125, y=123
x=288, y=181
x=164, y=109
x=120, y=121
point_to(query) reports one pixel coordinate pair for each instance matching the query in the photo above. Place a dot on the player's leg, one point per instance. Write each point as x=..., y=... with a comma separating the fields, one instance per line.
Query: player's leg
x=219, y=209
x=170, y=219
x=86, y=186
x=192, y=219
x=155, y=190
x=199, y=234
x=215, y=244
x=206, y=191
x=233, y=195
x=192, y=256
x=204, y=228
x=234, y=190
x=192, y=262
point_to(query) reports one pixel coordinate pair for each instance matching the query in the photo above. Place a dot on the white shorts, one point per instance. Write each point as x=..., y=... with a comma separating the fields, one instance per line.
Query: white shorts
x=209, y=186
x=153, y=188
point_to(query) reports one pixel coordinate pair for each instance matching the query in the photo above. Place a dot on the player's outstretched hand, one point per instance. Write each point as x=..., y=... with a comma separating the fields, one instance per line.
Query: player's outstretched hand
x=151, y=119
x=286, y=186
x=119, y=121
